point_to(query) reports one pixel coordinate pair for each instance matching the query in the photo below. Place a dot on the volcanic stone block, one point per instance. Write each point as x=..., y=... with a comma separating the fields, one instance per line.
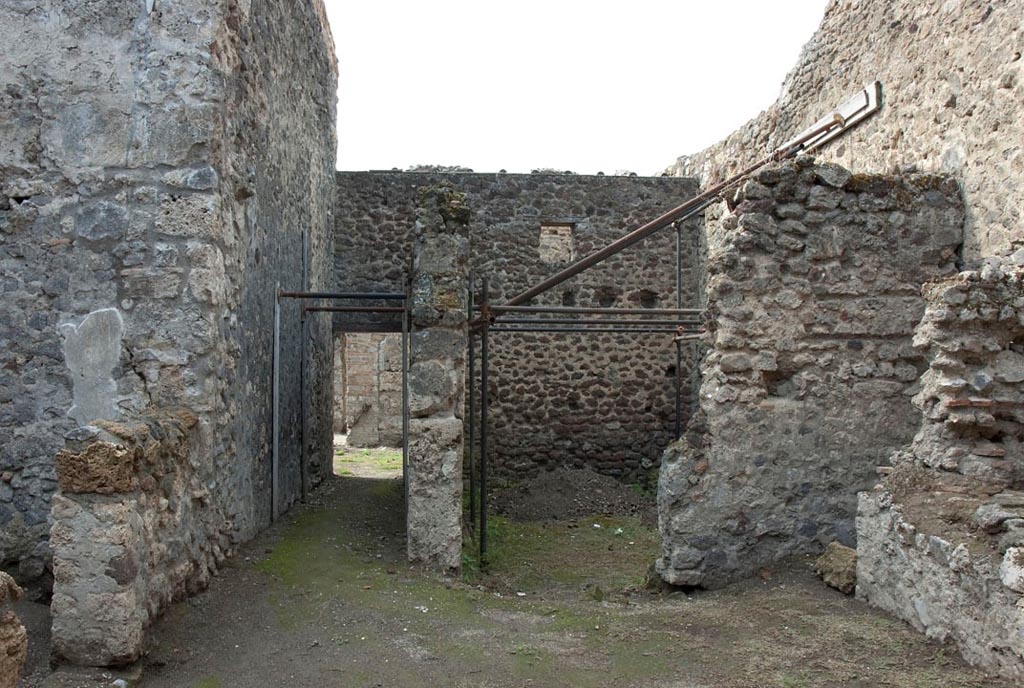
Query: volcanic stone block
x=102, y=468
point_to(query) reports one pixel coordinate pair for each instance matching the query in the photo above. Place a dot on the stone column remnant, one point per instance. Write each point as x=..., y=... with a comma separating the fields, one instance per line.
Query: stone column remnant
x=134, y=529
x=437, y=361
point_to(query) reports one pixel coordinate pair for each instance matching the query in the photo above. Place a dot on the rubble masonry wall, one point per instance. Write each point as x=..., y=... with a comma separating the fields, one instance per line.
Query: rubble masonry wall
x=606, y=401
x=953, y=81
x=157, y=176
x=940, y=543
x=813, y=294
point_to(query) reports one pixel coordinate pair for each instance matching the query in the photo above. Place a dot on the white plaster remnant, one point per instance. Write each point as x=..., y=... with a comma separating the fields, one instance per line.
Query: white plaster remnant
x=92, y=350
x=1011, y=571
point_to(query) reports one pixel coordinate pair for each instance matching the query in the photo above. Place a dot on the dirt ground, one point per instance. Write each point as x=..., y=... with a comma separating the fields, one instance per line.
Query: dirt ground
x=325, y=598
x=572, y=493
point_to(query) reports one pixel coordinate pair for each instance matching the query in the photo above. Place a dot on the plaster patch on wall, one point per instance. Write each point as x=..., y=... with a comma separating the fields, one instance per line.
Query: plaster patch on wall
x=92, y=350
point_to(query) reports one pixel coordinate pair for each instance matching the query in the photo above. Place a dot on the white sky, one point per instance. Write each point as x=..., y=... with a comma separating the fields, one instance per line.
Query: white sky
x=566, y=84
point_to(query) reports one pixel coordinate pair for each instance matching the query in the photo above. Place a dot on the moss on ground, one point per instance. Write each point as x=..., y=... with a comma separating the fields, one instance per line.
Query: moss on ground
x=559, y=605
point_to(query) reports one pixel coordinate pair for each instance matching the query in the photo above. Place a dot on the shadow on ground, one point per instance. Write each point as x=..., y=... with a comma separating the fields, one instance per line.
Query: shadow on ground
x=325, y=599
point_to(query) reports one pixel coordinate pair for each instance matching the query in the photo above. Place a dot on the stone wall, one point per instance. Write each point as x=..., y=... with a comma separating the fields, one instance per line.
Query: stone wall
x=606, y=400
x=941, y=542
x=953, y=80
x=368, y=389
x=813, y=294
x=130, y=502
x=157, y=174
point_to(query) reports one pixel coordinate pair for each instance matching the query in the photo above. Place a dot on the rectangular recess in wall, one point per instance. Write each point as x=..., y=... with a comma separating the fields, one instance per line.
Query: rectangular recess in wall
x=556, y=242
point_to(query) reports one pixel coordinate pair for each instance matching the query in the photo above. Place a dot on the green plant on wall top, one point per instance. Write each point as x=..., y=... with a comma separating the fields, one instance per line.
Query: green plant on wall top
x=451, y=204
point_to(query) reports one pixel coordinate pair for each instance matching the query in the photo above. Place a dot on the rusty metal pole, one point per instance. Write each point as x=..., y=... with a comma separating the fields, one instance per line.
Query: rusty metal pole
x=484, y=408
x=682, y=212
x=472, y=415
x=678, y=342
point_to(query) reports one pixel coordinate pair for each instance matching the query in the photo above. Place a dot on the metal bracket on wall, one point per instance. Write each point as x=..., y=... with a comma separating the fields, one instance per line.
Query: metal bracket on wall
x=852, y=112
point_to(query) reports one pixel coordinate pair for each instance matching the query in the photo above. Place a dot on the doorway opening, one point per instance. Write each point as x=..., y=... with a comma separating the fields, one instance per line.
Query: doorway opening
x=368, y=405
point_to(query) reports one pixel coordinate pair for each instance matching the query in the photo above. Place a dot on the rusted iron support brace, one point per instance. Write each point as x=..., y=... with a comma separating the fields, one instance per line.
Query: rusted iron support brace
x=678, y=214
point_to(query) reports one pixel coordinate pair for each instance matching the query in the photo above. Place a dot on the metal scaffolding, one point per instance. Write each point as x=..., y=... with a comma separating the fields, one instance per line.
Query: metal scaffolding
x=682, y=323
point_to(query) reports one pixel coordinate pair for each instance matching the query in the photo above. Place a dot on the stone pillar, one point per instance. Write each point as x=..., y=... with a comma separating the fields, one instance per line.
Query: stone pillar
x=437, y=375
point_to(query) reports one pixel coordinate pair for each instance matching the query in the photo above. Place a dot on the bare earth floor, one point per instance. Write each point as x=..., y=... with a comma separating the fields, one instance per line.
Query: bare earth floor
x=324, y=598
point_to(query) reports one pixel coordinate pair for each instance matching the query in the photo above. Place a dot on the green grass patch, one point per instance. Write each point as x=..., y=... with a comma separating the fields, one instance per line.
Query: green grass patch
x=601, y=554
x=211, y=682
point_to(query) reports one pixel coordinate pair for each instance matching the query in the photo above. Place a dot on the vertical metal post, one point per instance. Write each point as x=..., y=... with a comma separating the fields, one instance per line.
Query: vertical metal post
x=484, y=404
x=405, y=394
x=472, y=415
x=303, y=376
x=275, y=478
x=679, y=343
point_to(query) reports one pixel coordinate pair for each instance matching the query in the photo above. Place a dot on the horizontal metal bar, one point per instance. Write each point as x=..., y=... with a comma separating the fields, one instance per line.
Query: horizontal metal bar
x=584, y=330
x=383, y=296
x=573, y=310
x=602, y=321
x=357, y=309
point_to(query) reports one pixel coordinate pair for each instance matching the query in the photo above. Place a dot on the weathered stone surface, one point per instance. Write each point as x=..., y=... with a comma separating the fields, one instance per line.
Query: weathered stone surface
x=13, y=638
x=1011, y=570
x=437, y=372
x=837, y=566
x=102, y=468
x=810, y=361
x=158, y=181
x=601, y=400
x=964, y=585
x=120, y=559
x=968, y=427
x=92, y=350
x=940, y=587
x=156, y=176
x=949, y=81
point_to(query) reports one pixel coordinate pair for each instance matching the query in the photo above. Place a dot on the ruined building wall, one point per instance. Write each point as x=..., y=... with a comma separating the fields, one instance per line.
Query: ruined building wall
x=813, y=294
x=605, y=400
x=156, y=176
x=953, y=80
x=940, y=543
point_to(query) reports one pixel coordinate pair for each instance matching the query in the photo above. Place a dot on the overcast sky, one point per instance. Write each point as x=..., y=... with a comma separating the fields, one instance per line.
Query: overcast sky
x=565, y=84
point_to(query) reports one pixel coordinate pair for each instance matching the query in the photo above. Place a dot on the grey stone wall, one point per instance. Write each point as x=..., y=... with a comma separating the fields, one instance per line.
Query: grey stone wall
x=953, y=79
x=156, y=173
x=940, y=543
x=279, y=148
x=606, y=400
x=813, y=294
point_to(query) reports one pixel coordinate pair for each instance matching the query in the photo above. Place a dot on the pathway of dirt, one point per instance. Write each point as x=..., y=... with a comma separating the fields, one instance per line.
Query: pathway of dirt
x=325, y=598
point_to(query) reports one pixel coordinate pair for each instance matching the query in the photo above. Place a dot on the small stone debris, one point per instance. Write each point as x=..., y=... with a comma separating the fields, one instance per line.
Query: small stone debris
x=838, y=567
